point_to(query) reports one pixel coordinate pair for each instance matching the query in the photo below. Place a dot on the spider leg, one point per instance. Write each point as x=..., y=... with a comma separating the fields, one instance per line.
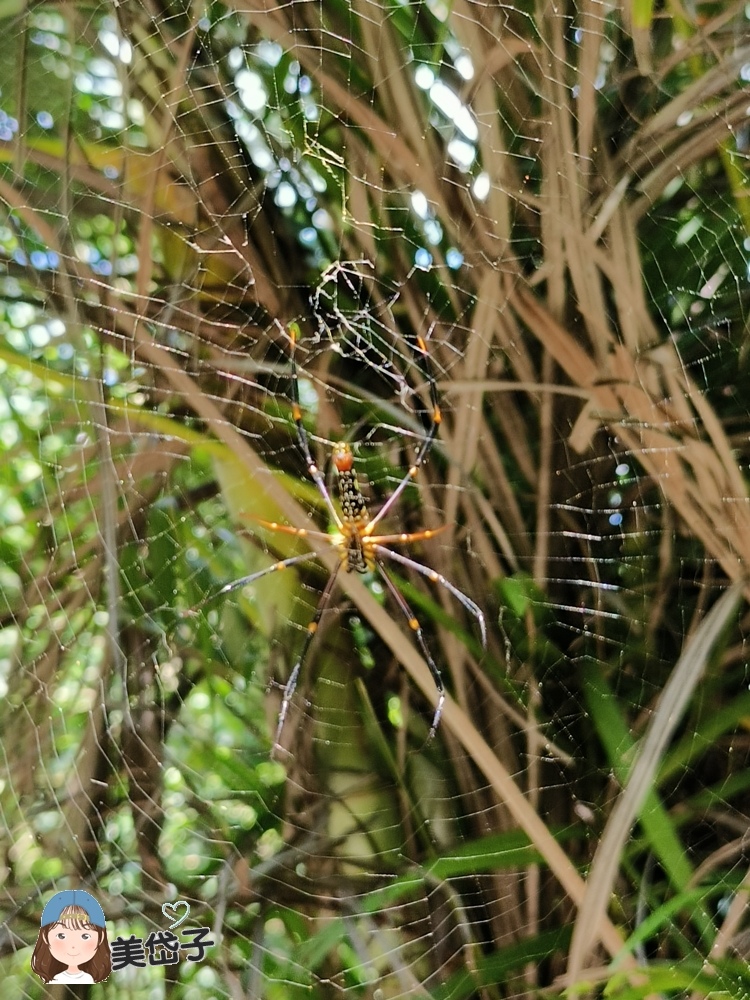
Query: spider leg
x=287, y=529
x=244, y=580
x=434, y=577
x=312, y=628
x=436, y=417
x=417, y=630
x=406, y=539
x=312, y=469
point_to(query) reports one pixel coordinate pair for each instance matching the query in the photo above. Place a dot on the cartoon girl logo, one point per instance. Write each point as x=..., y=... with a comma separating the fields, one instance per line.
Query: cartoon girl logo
x=72, y=946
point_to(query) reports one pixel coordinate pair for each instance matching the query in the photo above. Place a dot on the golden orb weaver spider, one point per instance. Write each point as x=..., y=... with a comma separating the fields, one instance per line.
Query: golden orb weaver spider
x=359, y=549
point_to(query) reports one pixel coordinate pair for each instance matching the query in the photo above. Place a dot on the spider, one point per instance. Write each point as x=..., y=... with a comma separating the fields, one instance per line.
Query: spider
x=359, y=549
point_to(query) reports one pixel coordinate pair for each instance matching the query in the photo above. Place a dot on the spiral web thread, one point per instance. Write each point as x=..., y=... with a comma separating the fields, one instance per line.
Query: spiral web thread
x=176, y=187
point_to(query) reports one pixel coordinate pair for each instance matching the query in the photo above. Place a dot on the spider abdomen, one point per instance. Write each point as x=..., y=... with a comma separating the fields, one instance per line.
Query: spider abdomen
x=353, y=506
x=354, y=511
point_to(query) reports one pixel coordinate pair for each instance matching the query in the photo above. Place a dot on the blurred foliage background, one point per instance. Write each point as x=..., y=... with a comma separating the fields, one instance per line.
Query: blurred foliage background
x=556, y=198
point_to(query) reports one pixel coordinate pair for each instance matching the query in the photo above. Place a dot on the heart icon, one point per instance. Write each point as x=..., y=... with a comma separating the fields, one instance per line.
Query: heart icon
x=170, y=911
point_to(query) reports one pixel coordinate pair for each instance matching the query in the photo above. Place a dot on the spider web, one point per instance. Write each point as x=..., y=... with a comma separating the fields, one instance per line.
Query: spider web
x=557, y=203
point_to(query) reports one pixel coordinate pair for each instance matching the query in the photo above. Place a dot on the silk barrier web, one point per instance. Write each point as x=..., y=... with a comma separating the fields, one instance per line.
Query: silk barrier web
x=507, y=245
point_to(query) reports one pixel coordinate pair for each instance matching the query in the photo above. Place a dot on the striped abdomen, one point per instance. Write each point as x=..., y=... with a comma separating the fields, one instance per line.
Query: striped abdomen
x=353, y=508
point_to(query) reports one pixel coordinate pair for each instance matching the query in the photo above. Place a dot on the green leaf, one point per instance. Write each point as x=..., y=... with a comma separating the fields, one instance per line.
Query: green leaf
x=643, y=13
x=493, y=970
x=620, y=747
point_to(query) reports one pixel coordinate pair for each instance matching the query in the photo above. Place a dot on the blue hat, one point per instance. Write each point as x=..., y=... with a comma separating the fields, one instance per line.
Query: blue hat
x=72, y=897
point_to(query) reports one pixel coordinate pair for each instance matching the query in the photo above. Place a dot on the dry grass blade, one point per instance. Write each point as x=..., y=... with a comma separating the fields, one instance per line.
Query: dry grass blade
x=484, y=758
x=563, y=231
x=629, y=397
x=675, y=697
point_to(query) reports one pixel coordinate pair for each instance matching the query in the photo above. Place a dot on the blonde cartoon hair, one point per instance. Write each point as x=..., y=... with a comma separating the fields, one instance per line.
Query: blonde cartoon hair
x=75, y=917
